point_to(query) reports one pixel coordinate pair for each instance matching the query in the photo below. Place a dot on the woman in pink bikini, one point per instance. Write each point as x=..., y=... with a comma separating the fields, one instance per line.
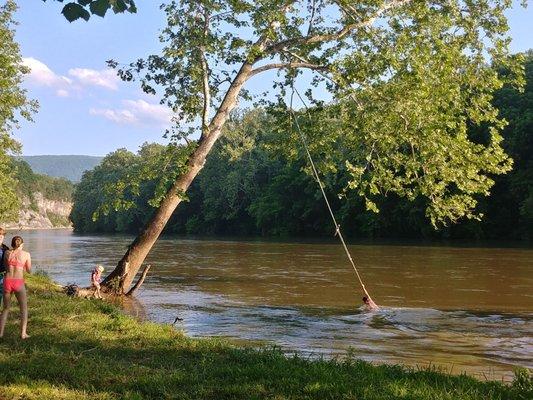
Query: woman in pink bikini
x=16, y=262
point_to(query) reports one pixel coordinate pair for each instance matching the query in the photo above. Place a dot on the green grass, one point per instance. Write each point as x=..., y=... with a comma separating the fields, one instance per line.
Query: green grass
x=87, y=349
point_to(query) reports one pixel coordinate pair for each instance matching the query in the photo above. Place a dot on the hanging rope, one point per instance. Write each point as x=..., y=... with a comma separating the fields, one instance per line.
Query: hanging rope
x=317, y=178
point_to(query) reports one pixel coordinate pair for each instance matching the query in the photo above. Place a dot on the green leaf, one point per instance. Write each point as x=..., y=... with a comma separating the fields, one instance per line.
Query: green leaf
x=84, y=2
x=100, y=7
x=73, y=11
x=119, y=6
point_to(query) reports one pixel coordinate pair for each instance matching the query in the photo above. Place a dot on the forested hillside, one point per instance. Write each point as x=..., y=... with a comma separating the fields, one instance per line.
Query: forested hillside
x=50, y=187
x=254, y=183
x=70, y=167
x=45, y=201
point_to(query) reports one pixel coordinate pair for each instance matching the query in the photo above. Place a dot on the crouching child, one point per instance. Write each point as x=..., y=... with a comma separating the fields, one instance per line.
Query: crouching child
x=96, y=277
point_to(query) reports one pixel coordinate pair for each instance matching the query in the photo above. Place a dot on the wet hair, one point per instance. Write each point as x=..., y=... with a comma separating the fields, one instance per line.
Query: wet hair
x=365, y=299
x=16, y=242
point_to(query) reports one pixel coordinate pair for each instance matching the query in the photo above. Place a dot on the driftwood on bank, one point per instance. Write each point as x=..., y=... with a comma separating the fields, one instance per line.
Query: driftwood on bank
x=77, y=291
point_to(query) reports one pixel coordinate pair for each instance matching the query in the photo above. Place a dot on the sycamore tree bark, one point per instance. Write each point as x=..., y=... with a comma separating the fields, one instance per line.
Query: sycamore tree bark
x=407, y=77
x=122, y=276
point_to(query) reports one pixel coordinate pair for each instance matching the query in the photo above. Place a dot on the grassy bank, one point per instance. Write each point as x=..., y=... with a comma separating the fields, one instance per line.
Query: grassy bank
x=87, y=349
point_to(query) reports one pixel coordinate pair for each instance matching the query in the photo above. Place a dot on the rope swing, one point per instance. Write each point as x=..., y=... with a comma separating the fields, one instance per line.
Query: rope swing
x=321, y=185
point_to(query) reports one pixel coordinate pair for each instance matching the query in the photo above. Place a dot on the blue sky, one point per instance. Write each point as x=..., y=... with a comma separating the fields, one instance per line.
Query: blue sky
x=84, y=108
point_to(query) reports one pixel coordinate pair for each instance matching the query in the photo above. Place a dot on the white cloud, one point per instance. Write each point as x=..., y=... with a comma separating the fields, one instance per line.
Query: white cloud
x=41, y=75
x=151, y=112
x=137, y=112
x=118, y=116
x=106, y=78
x=62, y=93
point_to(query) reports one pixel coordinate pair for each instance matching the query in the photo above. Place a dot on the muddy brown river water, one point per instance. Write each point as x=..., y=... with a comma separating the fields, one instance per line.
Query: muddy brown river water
x=458, y=308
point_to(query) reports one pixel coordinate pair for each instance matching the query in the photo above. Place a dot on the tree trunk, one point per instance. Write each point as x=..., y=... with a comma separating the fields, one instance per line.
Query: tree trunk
x=120, y=279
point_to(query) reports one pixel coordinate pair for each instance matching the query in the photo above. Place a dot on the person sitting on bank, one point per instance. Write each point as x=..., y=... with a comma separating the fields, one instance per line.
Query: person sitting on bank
x=369, y=304
x=17, y=261
x=96, y=277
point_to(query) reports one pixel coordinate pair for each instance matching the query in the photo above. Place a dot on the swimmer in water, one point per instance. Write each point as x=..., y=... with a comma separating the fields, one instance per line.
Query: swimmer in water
x=369, y=304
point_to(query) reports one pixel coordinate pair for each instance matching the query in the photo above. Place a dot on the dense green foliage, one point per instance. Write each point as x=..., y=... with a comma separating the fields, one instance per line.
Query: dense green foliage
x=510, y=209
x=405, y=88
x=87, y=349
x=255, y=183
x=51, y=188
x=13, y=105
x=108, y=198
x=70, y=167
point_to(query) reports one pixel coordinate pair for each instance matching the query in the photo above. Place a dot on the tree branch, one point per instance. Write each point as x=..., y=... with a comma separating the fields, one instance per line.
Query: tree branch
x=310, y=39
x=311, y=19
x=140, y=281
x=288, y=65
x=349, y=10
x=263, y=40
x=205, y=72
x=230, y=99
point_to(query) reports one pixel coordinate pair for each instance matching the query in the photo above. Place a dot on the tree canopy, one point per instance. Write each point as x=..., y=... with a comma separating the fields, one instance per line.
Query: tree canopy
x=406, y=78
x=14, y=105
x=253, y=185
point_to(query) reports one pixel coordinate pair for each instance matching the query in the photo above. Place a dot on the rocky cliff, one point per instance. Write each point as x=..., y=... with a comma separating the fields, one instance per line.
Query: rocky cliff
x=39, y=212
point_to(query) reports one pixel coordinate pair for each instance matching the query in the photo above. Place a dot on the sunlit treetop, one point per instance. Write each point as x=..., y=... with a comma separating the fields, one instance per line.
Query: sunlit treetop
x=406, y=78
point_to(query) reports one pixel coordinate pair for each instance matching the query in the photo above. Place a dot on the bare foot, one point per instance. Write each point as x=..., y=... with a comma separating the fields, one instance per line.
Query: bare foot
x=24, y=336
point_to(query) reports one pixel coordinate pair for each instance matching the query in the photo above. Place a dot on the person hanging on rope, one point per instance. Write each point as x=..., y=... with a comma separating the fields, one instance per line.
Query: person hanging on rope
x=369, y=304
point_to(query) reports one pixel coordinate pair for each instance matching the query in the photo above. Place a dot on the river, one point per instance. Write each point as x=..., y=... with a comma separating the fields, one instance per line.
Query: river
x=461, y=309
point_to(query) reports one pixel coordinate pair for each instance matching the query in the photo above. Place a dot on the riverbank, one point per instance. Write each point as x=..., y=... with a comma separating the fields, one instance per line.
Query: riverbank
x=11, y=230
x=88, y=349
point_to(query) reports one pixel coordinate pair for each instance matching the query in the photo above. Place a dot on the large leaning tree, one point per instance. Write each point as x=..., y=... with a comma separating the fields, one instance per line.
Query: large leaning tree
x=14, y=104
x=406, y=80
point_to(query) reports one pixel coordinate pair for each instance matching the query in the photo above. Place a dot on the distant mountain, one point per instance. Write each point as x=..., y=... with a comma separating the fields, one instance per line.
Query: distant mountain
x=69, y=167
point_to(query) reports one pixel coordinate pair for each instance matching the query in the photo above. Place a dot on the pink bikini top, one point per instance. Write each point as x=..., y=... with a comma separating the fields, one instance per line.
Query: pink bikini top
x=13, y=262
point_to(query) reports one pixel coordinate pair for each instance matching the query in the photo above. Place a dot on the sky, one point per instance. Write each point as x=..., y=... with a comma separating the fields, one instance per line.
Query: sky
x=84, y=108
